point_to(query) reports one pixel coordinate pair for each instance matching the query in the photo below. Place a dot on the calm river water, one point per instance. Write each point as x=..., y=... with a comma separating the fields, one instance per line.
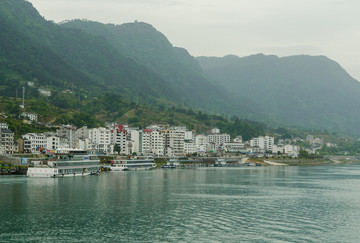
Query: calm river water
x=245, y=204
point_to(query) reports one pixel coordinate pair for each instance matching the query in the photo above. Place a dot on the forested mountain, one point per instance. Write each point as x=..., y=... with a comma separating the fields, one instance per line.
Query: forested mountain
x=310, y=91
x=33, y=48
x=149, y=47
x=135, y=62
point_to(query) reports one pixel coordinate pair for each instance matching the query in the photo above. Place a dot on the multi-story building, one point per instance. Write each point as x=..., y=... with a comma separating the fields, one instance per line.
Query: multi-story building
x=233, y=147
x=174, y=141
x=157, y=142
x=189, y=143
x=31, y=116
x=146, y=141
x=264, y=143
x=201, y=144
x=238, y=139
x=52, y=143
x=100, y=138
x=83, y=132
x=69, y=132
x=288, y=149
x=215, y=140
x=4, y=125
x=34, y=142
x=119, y=137
x=6, y=141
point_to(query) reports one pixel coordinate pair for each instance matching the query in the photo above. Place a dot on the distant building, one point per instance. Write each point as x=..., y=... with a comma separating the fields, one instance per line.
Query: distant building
x=215, y=140
x=6, y=141
x=4, y=125
x=45, y=92
x=68, y=132
x=233, y=147
x=174, y=141
x=31, y=84
x=31, y=116
x=201, y=144
x=264, y=143
x=310, y=139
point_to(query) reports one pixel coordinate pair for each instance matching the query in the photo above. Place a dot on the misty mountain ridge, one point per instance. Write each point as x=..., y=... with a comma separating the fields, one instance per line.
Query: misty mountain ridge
x=309, y=91
x=136, y=61
x=150, y=48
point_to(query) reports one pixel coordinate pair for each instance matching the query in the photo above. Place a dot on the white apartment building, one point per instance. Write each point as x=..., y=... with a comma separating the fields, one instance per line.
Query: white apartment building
x=264, y=143
x=64, y=143
x=31, y=116
x=157, y=142
x=146, y=141
x=201, y=144
x=136, y=138
x=288, y=149
x=238, y=139
x=52, y=143
x=4, y=125
x=233, y=147
x=100, y=139
x=119, y=137
x=6, y=141
x=174, y=141
x=69, y=132
x=34, y=142
x=189, y=143
x=215, y=140
x=83, y=132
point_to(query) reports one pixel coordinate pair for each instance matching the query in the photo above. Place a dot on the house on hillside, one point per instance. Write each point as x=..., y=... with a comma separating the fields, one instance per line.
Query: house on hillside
x=31, y=116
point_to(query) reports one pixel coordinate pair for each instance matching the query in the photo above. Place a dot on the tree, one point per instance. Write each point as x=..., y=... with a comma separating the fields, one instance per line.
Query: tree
x=303, y=153
x=117, y=148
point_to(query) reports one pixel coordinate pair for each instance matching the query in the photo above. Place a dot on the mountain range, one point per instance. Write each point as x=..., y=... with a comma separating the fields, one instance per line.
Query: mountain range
x=137, y=62
x=309, y=91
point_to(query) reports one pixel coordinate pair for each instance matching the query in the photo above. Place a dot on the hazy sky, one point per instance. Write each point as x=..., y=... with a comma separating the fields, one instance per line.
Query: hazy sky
x=239, y=27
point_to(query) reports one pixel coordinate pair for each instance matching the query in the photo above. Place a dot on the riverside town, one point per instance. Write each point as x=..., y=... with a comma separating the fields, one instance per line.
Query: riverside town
x=159, y=142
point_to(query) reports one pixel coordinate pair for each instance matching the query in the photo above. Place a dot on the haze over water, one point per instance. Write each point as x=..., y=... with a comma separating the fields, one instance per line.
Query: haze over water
x=268, y=204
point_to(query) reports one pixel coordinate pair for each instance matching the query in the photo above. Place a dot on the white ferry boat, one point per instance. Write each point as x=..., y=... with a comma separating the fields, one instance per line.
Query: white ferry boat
x=133, y=164
x=75, y=163
x=220, y=162
x=117, y=166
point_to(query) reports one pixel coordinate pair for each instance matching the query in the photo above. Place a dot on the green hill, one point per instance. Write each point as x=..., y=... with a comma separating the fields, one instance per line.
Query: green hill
x=147, y=46
x=308, y=91
x=33, y=48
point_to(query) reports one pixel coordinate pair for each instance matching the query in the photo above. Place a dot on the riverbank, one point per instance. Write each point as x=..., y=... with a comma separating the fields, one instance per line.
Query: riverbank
x=313, y=162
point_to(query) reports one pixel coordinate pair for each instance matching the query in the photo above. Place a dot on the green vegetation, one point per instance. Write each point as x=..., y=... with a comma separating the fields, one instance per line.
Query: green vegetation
x=305, y=91
x=144, y=44
x=132, y=74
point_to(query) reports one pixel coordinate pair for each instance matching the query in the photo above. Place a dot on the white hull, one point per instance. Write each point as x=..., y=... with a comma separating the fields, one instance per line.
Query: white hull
x=52, y=172
x=133, y=169
x=41, y=172
x=118, y=169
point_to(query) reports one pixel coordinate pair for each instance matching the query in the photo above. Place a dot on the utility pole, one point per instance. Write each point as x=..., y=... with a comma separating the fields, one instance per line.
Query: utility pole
x=23, y=101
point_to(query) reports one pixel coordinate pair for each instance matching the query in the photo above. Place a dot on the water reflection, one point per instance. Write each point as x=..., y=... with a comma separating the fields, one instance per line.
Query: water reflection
x=202, y=205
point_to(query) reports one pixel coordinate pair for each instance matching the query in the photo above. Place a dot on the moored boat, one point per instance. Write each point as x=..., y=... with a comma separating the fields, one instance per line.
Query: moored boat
x=134, y=164
x=118, y=166
x=75, y=163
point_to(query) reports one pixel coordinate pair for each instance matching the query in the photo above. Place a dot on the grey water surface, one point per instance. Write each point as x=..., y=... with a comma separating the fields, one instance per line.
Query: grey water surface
x=243, y=204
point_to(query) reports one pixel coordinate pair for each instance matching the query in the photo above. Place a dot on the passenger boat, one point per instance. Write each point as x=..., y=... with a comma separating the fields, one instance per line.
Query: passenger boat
x=118, y=166
x=75, y=163
x=134, y=164
x=171, y=164
x=220, y=162
x=168, y=166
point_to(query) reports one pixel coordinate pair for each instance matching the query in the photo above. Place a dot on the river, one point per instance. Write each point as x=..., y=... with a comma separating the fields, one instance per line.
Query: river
x=243, y=204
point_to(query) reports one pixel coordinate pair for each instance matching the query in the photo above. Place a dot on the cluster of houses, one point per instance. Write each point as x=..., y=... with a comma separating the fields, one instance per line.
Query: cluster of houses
x=156, y=140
